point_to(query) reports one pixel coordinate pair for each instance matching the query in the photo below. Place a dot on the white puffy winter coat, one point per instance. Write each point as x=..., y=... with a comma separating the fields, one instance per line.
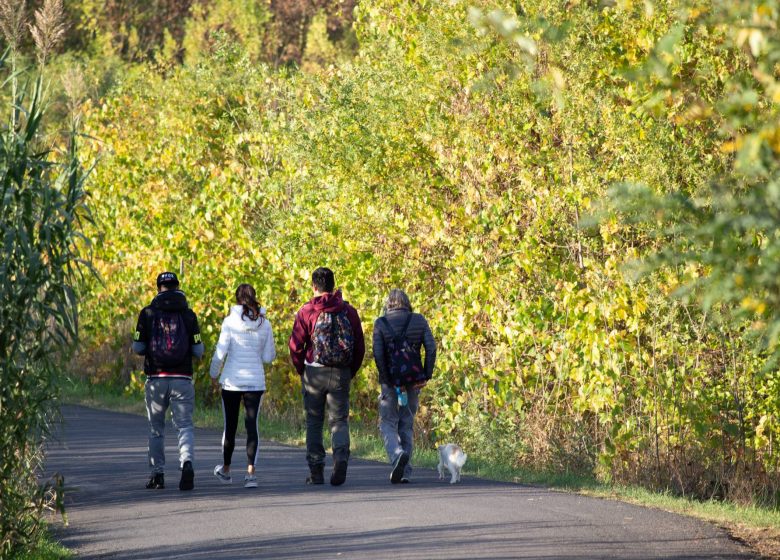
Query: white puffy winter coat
x=243, y=347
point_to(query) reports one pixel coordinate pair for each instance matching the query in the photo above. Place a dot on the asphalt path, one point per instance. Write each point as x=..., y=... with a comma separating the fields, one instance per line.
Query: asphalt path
x=111, y=515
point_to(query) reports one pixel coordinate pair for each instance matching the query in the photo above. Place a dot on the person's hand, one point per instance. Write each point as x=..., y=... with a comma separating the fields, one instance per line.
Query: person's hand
x=420, y=384
x=214, y=382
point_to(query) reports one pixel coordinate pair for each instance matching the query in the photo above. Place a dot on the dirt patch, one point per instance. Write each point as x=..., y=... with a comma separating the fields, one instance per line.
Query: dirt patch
x=764, y=541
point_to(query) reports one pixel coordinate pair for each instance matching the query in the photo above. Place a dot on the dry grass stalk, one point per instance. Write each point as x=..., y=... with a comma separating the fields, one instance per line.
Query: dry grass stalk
x=49, y=28
x=75, y=89
x=12, y=21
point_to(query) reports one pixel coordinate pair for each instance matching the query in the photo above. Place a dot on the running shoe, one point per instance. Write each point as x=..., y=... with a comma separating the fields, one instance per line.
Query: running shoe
x=224, y=477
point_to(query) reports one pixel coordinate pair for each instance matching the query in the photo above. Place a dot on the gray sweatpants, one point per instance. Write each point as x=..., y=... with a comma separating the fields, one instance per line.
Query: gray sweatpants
x=179, y=394
x=396, y=424
x=326, y=388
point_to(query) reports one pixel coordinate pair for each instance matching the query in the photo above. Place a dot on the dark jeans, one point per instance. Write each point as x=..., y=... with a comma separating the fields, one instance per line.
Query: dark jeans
x=326, y=387
x=231, y=401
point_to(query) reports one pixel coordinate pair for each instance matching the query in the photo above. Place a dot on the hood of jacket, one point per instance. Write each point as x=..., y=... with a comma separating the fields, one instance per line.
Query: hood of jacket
x=244, y=323
x=329, y=303
x=171, y=300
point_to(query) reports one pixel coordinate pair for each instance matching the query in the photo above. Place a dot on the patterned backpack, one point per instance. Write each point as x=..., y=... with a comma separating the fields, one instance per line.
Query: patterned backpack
x=405, y=364
x=332, y=339
x=169, y=341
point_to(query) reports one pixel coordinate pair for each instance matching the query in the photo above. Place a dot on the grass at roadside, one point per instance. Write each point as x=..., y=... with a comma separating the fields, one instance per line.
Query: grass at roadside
x=757, y=527
x=46, y=549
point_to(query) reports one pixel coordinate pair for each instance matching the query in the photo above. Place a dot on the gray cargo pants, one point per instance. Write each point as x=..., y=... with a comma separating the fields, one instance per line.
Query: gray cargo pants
x=179, y=394
x=326, y=387
x=396, y=424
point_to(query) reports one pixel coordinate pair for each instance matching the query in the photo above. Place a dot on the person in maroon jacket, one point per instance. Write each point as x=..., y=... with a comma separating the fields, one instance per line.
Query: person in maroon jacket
x=327, y=348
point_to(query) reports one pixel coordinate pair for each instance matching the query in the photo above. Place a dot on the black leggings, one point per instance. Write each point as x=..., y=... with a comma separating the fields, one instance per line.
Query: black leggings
x=231, y=401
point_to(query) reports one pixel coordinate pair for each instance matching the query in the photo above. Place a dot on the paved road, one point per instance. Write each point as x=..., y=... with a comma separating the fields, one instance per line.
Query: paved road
x=112, y=515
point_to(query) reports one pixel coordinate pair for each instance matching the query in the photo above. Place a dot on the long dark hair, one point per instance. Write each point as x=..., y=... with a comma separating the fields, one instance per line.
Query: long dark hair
x=246, y=297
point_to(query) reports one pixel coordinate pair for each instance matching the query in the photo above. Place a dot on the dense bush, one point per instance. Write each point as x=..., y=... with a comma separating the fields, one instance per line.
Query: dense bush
x=457, y=156
x=160, y=30
x=42, y=209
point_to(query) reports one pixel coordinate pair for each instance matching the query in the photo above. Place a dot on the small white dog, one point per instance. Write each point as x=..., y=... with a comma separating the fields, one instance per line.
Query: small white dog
x=452, y=458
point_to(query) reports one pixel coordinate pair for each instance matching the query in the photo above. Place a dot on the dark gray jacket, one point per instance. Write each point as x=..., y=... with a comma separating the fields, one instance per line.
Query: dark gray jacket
x=418, y=334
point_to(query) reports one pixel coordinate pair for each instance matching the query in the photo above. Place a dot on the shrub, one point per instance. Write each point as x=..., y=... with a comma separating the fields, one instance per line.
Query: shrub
x=42, y=205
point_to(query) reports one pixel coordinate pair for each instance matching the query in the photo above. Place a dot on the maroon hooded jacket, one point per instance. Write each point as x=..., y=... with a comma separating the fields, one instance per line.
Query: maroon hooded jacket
x=300, y=340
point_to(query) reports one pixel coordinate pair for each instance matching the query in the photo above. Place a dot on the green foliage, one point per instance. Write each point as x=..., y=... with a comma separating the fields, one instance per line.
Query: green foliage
x=165, y=32
x=729, y=226
x=723, y=231
x=41, y=214
x=242, y=20
x=455, y=156
x=136, y=29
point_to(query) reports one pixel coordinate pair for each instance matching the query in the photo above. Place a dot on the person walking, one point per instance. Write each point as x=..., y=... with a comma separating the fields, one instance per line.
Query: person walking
x=398, y=336
x=327, y=349
x=246, y=341
x=168, y=336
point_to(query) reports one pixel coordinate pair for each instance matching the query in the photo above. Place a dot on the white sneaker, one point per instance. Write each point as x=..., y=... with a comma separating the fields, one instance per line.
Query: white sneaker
x=224, y=477
x=250, y=481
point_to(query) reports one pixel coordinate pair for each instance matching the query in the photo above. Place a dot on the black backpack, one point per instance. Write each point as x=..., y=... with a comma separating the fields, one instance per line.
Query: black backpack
x=404, y=364
x=169, y=341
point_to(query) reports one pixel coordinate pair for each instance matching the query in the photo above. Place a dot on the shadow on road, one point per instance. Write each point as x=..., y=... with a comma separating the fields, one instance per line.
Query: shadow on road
x=505, y=540
x=102, y=456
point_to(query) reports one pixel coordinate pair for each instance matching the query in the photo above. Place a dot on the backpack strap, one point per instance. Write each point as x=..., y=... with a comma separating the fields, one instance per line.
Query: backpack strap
x=387, y=324
x=406, y=327
x=398, y=338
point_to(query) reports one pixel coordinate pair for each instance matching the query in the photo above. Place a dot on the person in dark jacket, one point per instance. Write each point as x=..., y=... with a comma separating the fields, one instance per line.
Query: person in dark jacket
x=396, y=419
x=168, y=336
x=327, y=349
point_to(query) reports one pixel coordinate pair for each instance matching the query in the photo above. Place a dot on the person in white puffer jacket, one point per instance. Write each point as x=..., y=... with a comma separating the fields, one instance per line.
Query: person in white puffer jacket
x=245, y=343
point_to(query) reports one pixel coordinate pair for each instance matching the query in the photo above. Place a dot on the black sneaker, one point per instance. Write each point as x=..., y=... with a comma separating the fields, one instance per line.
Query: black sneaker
x=398, y=468
x=339, y=474
x=187, y=481
x=157, y=482
x=316, y=474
